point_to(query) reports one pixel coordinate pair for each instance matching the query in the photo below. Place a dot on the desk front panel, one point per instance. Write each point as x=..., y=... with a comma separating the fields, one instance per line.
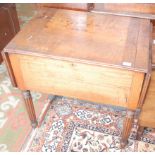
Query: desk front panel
x=74, y=79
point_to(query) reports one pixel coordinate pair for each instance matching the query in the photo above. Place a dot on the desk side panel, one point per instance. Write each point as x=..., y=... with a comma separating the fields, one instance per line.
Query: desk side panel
x=83, y=81
x=147, y=116
x=9, y=68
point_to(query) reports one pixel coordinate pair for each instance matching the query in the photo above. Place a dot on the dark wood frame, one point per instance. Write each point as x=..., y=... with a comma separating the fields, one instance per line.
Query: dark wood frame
x=9, y=10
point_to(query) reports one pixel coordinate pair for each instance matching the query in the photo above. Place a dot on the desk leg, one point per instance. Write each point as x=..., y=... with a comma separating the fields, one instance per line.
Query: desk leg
x=30, y=108
x=140, y=132
x=127, y=125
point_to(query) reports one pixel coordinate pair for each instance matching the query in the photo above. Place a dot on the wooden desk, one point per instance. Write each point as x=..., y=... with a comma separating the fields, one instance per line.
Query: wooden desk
x=100, y=58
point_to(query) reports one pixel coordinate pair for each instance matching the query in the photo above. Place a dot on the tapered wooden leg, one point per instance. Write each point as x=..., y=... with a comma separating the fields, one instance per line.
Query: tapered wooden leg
x=127, y=125
x=140, y=132
x=30, y=108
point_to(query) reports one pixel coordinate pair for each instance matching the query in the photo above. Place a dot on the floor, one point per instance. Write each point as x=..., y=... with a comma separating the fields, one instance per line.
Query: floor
x=73, y=125
x=14, y=122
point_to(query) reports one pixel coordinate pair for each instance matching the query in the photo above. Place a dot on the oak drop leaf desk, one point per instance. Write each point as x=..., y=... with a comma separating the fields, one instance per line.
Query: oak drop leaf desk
x=95, y=57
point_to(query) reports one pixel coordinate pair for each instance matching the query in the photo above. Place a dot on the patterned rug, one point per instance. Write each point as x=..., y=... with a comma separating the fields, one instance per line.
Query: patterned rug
x=14, y=122
x=73, y=125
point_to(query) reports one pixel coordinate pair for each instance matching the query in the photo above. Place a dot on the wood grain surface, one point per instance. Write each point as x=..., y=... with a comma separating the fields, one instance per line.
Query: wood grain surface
x=81, y=36
x=147, y=116
x=9, y=24
x=89, y=82
x=119, y=7
x=153, y=48
x=145, y=10
x=69, y=6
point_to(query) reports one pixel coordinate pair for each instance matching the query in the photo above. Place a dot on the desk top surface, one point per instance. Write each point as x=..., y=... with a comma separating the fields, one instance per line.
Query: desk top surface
x=87, y=37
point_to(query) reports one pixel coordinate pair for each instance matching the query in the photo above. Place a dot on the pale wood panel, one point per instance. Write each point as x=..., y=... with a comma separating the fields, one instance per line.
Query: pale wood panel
x=105, y=39
x=9, y=68
x=135, y=90
x=129, y=54
x=120, y=7
x=153, y=56
x=153, y=47
x=147, y=117
x=94, y=83
x=72, y=6
x=143, y=45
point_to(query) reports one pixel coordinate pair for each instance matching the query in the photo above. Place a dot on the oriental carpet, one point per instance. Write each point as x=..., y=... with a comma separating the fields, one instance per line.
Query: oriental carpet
x=79, y=126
